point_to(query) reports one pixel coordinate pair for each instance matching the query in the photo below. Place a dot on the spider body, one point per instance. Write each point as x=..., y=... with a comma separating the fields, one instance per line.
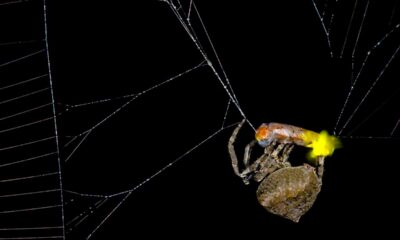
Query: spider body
x=289, y=192
x=284, y=190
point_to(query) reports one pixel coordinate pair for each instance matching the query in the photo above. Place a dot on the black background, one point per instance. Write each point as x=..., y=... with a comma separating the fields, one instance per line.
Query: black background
x=278, y=62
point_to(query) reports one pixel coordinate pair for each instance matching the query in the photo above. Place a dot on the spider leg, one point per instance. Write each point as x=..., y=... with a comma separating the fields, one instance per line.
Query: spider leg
x=286, y=152
x=275, y=157
x=247, y=153
x=266, y=167
x=277, y=150
x=320, y=168
x=262, y=164
x=231, y=148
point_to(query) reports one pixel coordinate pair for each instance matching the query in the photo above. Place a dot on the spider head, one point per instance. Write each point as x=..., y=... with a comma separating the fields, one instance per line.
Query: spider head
x=263, y=135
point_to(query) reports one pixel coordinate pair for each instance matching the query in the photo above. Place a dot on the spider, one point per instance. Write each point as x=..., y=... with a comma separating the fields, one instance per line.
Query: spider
x=284, y=190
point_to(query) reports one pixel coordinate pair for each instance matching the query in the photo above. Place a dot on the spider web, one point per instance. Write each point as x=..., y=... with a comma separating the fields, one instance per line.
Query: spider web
x=144, y=118
x=31, y=196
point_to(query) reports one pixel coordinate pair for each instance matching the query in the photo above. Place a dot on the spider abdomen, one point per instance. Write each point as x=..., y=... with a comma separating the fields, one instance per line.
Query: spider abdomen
x=289, y=192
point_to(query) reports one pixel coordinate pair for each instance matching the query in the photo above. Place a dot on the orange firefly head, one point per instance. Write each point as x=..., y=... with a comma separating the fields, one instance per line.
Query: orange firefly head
x=262, y=135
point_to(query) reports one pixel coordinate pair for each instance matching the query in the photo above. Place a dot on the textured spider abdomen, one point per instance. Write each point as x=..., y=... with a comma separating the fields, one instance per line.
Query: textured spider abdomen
x=289, y=192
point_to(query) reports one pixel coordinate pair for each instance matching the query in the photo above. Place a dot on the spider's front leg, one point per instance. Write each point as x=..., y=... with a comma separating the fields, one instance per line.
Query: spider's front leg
x=231, y=148
x=244, y=175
